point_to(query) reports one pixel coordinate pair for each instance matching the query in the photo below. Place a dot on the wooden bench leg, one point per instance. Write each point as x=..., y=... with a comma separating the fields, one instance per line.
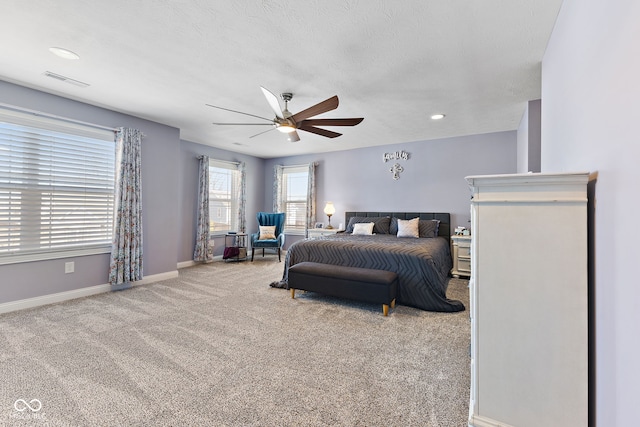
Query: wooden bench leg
x=385, y=307
x=293, y=293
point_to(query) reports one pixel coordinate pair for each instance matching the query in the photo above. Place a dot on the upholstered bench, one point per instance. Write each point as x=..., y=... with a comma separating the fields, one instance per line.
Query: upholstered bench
x=362, y=284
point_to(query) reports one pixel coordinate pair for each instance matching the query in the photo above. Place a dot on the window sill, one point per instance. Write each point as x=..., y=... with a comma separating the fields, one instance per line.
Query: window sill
x=44, y=256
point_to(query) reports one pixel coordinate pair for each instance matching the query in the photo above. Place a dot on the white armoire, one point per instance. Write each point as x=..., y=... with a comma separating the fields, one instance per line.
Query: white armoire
x=528, y=298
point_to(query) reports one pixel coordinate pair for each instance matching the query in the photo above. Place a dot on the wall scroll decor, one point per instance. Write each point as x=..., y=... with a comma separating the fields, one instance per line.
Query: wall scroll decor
x=395, y=170
x=396, y=155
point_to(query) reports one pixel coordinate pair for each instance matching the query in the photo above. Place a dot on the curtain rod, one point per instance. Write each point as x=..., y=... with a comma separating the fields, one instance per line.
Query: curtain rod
x=221, y=161
x=55, y=117
x=299, y=166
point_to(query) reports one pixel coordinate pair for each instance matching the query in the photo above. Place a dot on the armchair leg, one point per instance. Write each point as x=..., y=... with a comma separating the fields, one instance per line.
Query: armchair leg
x=279, y=260
x=262, y=252
x=253, y=251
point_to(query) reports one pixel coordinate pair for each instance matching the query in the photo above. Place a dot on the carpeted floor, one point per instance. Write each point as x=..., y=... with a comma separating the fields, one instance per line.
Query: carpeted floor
x=218, y=346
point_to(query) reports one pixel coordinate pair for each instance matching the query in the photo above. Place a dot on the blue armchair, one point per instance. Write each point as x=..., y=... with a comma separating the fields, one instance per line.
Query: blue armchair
x=273, y=219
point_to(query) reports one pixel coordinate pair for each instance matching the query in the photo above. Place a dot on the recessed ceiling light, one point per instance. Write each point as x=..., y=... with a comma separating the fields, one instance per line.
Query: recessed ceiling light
x=63, y=53
x=437, y=117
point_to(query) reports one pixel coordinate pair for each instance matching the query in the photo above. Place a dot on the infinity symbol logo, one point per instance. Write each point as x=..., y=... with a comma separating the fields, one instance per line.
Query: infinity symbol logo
x=22, y=405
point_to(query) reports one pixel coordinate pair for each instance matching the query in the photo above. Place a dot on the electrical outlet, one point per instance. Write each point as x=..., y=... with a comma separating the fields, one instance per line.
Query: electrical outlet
x=69, y=267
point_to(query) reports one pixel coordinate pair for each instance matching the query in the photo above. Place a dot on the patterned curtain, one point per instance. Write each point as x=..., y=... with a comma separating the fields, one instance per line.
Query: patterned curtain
x=311, y=196
x=126, y=249
x=243, y=198
x=277, y=186
x=203, y=249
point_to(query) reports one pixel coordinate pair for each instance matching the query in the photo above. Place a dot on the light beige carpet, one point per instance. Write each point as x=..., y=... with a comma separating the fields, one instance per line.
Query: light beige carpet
x=218, y=346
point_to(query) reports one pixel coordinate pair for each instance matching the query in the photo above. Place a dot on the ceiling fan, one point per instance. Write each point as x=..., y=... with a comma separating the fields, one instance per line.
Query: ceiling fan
x=289, y=123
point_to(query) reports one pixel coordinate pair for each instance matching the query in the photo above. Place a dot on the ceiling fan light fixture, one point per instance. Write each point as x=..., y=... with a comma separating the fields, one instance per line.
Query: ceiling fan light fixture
x=286, y=128
x=438, y=116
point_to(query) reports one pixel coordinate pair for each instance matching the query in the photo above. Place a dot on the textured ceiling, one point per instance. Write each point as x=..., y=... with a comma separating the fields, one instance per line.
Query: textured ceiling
x=392, y=62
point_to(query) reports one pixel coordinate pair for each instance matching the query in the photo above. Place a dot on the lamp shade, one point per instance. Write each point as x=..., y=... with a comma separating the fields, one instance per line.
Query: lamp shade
x=329, y=209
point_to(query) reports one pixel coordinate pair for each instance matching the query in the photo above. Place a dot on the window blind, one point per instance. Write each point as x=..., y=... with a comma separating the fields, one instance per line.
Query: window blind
x=56, y=191
x=224, y=195
x=294, y=191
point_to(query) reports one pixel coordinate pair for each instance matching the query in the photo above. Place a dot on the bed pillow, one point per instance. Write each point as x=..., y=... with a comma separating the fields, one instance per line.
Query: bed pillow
x=393, y=226
x=380, y=223
x=428, y=227
x=267, y=232
x=408, y=228
x=363, y=228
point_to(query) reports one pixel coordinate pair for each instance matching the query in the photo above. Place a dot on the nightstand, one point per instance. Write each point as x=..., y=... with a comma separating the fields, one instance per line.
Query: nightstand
x=314, y=233
x=235, y=247
x=461, y=254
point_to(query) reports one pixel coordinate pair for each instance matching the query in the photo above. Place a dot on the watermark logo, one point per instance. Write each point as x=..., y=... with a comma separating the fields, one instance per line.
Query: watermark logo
x=28, y=410
x=21, y=405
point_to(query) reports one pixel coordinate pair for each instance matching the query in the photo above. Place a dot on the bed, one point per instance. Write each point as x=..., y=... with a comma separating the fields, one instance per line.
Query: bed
x=422, y=264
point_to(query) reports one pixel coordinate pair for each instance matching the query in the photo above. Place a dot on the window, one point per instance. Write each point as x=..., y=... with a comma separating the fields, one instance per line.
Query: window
x=224, y=196
x=56, y=188
x=295, y=181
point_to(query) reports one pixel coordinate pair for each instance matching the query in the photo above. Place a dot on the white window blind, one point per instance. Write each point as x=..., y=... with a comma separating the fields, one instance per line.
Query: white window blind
x=294, y=196
x=56, y=188
x=224, y=196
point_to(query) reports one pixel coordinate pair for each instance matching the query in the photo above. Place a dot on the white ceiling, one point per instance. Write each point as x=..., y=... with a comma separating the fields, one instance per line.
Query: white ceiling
x=395, y=63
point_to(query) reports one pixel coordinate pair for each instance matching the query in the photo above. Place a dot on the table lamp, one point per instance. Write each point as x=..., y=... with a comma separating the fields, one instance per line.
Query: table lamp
x=329, y=210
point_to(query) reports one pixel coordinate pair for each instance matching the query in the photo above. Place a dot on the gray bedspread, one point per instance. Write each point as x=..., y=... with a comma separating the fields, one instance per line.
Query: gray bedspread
x=422, y=265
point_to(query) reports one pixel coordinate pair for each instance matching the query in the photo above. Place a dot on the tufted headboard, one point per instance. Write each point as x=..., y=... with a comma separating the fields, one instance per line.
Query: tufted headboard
x=445, y=221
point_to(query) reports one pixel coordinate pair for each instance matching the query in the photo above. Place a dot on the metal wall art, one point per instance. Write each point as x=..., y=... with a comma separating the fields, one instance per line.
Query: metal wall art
x=396, y=168
x=398, y=155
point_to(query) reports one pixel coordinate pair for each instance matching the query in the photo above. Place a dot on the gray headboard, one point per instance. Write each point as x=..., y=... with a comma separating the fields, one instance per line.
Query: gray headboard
x=445, y=221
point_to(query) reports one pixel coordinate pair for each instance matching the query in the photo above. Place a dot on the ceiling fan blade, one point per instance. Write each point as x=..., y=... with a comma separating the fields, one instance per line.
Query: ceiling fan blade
x=239, y=112
x=260, y=133
x=323, y=132
x=322, y=107
x=333, y=122
x=293, y=137
x=273, y=102
x=244, y=124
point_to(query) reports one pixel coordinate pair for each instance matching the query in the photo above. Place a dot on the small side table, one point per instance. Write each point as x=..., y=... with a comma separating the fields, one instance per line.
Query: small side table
x=235, y=247
x=314, y=233
x=461, y=254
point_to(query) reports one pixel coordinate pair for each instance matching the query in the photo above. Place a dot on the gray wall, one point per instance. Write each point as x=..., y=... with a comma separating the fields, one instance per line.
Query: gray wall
x=529, y=138
x=160, y=149
x=590, y=91
x=432, y=181
x=189, y=151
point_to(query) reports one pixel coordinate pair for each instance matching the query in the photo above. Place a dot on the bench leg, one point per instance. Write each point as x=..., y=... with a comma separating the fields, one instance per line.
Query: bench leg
x=385, y=307
x=293, y=293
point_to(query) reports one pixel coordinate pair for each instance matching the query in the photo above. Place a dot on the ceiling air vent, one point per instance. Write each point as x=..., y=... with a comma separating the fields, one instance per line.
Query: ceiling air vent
x=65, y=79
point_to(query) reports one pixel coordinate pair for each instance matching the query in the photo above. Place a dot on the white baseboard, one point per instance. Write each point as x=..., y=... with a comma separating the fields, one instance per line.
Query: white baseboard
x=77, y=293
x=480, y=421
x=185, y=264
